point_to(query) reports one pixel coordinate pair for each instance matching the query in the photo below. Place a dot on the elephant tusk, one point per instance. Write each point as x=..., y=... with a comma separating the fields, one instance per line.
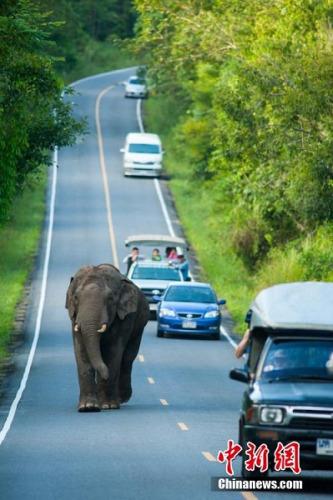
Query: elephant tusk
x=103, y=329
x=76, y=328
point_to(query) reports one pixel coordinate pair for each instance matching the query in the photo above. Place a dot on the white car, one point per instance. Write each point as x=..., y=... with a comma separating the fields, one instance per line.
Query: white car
x=143, y=155
x=136, y=87
x=153, y=278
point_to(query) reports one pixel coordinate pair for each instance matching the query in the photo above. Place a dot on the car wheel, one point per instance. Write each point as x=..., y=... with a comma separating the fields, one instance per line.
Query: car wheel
x=159, y=333
x=248, y=474
x=216, y=336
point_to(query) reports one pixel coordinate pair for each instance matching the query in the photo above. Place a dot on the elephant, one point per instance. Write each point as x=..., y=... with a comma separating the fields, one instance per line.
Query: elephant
x=108, y=314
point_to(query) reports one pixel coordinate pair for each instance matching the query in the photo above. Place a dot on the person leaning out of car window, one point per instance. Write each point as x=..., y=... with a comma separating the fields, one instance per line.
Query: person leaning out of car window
x=171, y=254
x=131, y=258
x=156, y=256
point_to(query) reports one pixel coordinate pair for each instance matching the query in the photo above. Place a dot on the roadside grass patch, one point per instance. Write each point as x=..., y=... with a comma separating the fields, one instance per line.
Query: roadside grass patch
x=19, y=239
x=209, y=229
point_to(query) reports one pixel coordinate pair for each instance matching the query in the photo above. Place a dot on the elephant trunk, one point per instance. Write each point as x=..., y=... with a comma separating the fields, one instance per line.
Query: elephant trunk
x=91, y=341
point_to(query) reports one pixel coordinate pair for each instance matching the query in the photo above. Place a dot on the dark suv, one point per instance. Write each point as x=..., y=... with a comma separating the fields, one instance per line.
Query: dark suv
x=289, y=372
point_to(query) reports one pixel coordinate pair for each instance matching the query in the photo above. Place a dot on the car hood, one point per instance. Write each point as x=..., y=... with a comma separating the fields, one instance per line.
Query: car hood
x=151, y=284
x=293, y=393
x=190, y=307
x=143, y=157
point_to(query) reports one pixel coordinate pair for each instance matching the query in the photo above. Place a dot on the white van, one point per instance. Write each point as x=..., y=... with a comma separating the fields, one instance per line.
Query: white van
x=142, y=155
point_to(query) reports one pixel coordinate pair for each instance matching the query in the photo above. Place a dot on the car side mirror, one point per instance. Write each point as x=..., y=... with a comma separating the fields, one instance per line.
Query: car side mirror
x=239, y=374
x=248, y=316
x=122, y=150
x=221, y=302
x=157, y=298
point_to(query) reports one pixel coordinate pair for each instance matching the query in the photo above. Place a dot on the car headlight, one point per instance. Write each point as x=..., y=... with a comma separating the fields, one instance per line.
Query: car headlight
x=212, y=314
x=167, y=312
x=271, y=415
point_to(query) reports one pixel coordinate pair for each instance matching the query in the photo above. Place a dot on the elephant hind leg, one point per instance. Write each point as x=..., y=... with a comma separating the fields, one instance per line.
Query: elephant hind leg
x=130, y=353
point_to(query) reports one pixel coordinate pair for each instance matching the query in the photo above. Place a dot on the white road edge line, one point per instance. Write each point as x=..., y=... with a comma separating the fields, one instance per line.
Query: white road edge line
x=104, y=174
x=12, y=410
x=10, y=417
x=165, y=210
x=156, y=182
x=227, y=336
x=101, y=75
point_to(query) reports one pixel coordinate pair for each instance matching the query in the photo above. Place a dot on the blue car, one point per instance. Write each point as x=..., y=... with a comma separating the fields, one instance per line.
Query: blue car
x=189, y=308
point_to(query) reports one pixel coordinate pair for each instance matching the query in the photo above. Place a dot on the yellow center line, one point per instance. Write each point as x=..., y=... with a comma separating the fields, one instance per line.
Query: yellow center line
x=141, y=358
x=209, y=456
x=182, y=426
x=104, y=174
x=164, y=402
x=248, y=495
x=151, y=380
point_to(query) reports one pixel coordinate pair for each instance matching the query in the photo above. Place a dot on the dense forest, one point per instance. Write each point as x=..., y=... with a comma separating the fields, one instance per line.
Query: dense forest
x=250, y=86
x=255, y=79
x=42, y=41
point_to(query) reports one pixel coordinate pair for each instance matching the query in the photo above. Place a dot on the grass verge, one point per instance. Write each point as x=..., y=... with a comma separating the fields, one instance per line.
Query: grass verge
x=19, y=239
x=206, y=230
x=208, y=224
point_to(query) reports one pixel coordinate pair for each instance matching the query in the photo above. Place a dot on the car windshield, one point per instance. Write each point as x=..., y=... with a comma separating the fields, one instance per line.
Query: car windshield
x=156, y=273
x=136, y=81
x=299, y=360
x=144, y=148
x=190, y=294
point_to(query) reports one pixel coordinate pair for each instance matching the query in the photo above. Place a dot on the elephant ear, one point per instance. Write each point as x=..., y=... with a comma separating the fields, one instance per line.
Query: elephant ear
x=128, y=300
x=70, y=302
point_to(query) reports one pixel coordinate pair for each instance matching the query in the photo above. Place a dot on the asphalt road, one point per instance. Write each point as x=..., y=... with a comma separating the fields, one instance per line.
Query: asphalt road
x=163, y=443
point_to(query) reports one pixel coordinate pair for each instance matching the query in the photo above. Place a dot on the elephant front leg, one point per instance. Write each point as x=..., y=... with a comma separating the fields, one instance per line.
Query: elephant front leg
x=88, y=401
x=107, y=398
x=108, y=390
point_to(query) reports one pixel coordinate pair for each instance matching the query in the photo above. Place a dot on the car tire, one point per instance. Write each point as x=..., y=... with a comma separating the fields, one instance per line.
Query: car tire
x=247, y=474
x=159, y=333
x=216, y=336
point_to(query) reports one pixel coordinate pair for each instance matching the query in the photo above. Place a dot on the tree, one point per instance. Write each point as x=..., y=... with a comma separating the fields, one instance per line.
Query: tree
x=33, y=116
x=256, y=77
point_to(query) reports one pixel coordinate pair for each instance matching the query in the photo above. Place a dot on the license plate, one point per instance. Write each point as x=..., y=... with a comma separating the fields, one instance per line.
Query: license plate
x=189, y=324
x=324, y=446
